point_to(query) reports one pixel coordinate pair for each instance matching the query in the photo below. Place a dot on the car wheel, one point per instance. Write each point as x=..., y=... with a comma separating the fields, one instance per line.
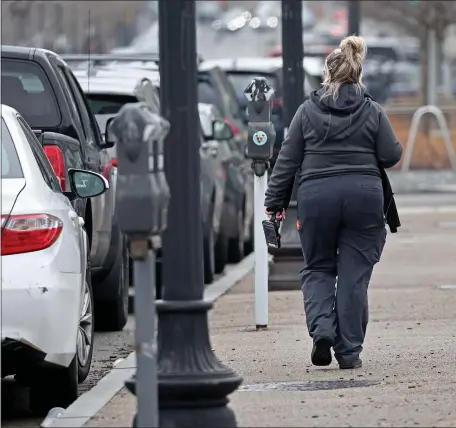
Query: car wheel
x=221, y=252
x=112, y=314
x=249, y=244
x=236, y=245
x=208, y=255
x=84, y=345
x=53, y=387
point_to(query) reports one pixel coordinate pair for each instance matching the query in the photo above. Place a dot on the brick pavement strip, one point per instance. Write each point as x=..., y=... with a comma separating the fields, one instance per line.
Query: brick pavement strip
x=410, y=347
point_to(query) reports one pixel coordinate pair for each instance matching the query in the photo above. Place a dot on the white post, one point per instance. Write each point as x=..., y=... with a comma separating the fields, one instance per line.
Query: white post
x=261, y=254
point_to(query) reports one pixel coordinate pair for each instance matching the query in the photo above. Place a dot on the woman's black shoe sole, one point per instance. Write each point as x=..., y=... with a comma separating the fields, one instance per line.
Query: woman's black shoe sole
x=321, y=353
x=352, y=365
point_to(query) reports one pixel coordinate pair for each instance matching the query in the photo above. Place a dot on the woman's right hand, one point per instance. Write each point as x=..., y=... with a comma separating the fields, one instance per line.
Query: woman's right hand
x=280, y=215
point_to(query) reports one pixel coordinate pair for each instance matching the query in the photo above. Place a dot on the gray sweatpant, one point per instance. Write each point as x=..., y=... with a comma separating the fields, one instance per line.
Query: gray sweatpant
x=342, y=231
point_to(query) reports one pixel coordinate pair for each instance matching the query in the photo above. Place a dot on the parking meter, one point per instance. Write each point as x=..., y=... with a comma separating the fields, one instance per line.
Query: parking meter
x=262, y=134
x=142, y=199
x=260, y=149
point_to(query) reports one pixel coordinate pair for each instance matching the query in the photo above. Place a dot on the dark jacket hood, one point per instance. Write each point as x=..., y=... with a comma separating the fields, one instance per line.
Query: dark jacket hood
x=337, y=120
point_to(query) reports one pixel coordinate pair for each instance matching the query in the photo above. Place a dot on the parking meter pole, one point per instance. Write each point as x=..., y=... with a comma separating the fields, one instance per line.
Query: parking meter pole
x=145, y=384
x=141, y=199
x=292, y=54
x=261, y=254
x=193, y=383
x=260, y=149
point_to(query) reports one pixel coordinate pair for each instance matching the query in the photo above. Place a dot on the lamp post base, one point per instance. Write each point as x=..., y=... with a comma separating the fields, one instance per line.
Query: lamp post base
x=208, y=417
x=193, y=384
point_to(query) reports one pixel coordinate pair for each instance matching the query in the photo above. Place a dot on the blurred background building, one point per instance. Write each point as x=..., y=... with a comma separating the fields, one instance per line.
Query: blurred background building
x=396, y=69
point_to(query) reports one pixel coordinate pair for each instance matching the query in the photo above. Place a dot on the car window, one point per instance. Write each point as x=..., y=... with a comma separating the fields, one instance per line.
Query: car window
x=26, y=88
x=45, y=167
x=11, y=167
x=208, y=95
x=229, y=94
x=64, y=82
x=81, y=105
x=108, y=103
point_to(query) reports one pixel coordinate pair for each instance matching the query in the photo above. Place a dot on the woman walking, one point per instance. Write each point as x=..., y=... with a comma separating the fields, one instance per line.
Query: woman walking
x=338, y=142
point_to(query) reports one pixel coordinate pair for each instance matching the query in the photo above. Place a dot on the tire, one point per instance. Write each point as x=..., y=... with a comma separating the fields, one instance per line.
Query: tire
x=208, y=255
x=112, y=314
x=86, y=329
x=236, y=245
x=53, y=387
x=221, y=253
x=248, y=245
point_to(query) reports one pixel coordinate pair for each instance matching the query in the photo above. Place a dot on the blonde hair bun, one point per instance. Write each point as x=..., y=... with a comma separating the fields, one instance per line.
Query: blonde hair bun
x=354, y=47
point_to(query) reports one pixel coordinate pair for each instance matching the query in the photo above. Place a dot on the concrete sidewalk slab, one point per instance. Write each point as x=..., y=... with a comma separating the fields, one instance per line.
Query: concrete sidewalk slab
x=409, y=358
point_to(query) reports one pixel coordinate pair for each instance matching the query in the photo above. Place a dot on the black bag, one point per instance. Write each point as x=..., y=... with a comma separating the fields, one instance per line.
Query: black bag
x=389, y=204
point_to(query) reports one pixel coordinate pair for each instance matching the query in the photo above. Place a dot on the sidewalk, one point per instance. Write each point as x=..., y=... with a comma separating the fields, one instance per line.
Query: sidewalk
x=409, y=372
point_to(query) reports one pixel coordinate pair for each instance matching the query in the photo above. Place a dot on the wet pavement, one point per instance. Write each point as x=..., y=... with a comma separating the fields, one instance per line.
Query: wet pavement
x=408, y=374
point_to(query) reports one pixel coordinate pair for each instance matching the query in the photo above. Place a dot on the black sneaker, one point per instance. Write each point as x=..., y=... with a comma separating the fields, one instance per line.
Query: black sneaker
x=321, y=352
x=350, y=365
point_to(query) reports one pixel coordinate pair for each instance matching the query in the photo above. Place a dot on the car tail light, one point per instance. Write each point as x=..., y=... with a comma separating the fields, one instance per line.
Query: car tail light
x=236, y=130
x=57, y=161
x=277, y=103
x=30, y=232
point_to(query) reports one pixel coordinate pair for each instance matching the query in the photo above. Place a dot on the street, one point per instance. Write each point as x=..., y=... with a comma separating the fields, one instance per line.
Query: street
x=108, y=348
x=408, y=372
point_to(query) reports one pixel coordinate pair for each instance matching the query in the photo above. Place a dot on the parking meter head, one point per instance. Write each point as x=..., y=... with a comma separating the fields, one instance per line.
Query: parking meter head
x=138, y=196
x=259, y=90
x=261, y=130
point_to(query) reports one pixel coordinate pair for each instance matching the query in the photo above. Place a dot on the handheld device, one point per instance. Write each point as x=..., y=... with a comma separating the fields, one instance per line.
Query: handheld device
x=271, y=230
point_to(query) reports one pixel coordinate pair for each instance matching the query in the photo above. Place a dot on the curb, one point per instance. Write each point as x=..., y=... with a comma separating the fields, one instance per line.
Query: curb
x=91, y=402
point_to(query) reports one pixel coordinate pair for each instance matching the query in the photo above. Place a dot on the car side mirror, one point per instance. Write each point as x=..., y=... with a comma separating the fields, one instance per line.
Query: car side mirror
x=221, y=130
x=109, y=137
x=86, y=184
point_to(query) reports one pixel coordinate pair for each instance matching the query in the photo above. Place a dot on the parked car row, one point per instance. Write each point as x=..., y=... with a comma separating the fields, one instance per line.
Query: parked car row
x=226, y=176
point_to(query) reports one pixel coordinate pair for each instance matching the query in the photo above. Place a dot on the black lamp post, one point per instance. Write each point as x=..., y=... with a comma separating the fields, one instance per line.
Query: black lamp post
x=193, y=383
x=292, y=69
x=354, y=17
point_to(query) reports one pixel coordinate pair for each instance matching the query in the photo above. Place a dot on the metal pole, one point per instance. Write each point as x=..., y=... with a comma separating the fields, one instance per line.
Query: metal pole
x=261, y=254
x=354, y=17
x=193, y=383
x=292, y=53
x=145, y=335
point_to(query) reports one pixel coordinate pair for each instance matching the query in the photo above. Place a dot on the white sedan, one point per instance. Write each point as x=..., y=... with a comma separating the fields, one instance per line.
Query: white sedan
x=47, y=303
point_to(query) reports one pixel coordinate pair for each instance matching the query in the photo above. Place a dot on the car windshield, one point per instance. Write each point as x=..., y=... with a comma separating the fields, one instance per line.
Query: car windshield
x=108, y=103
x=208, y=95
x=11, y=167
x=26, y=88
